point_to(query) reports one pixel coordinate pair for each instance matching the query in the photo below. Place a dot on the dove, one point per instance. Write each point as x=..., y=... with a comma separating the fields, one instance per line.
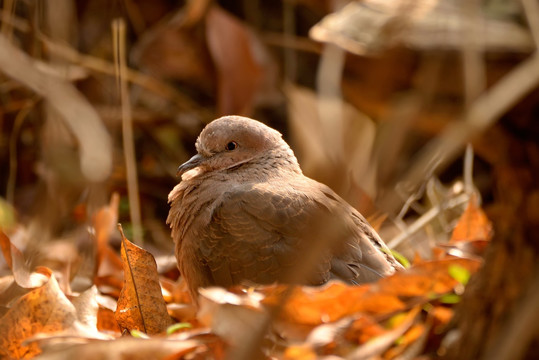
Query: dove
x=244, y=212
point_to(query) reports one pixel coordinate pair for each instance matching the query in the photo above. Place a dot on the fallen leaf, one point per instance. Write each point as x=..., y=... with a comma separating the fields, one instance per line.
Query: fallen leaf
x=472, y=225
x=234, y=317
x=331, y=302
x=371, y=26
x=106, y=321
x=141, y=305
x=43, y=310
x=440, y=317
x=127, y=348
x=376, y=346
x=426, y=278
x=104, y=222
x=21, y=272
x=86, y=307
x=363, y=328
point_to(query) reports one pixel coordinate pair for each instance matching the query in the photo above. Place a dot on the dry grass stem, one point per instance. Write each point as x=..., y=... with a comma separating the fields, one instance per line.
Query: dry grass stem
x=127, y=130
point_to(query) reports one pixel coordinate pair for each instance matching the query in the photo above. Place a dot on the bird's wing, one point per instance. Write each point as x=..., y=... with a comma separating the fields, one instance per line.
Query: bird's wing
x=261, y=233
x=359, y=255
x=265, y=233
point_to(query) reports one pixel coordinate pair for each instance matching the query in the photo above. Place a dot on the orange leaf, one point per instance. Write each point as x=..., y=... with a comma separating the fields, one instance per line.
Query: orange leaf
x=313, y=306
x=43, y=310
x=141, y=305
x=104, y=222
x=440, y=317
x=106, y=321
x=473, y=224
x=426, y=278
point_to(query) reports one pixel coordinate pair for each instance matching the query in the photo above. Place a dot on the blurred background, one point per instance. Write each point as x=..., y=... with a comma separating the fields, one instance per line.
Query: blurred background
x=405, y=108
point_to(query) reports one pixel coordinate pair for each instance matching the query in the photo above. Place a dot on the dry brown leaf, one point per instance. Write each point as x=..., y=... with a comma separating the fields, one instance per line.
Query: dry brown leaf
x=86, y=307
x=104, y=222
x=300, y=352
x=106, y=321
x=364, y=328
x=141, y=305
x=231, y=316
x=239, y=75
x=127, y=348
x=376, y=346
x=370, y=26
x=109, y=268
x=472, y=225
x=43, y=310
x=344, y=162
x=21, y=272
x=182, y=312
x=176, y=291
x=440, y=317
x=425, y=279
x=94, y=142
x=314, y=306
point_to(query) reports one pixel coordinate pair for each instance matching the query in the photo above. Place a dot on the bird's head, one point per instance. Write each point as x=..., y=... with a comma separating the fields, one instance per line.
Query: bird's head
x=231, y=141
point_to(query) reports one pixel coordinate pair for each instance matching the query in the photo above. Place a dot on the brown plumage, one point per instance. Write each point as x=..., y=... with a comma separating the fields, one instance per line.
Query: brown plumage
x=244, y=211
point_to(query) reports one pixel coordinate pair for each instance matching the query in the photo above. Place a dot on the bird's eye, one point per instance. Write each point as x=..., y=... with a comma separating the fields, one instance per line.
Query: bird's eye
x=231, y=145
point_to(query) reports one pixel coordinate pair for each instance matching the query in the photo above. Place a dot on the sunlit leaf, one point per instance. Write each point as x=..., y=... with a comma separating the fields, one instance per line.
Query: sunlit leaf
x=459, y=273
x=139, y=334
x=473, y=224
x=450, y=299
x=178, y=326
x=22, y=274
x=43, y=310
x=141, y=305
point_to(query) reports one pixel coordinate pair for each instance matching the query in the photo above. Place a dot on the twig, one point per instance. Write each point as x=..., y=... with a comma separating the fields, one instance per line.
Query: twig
x=427, y=217
x=297, y=43
x=472, y=51
x=7, y=13
x=105, y=67
x=15, y=22
x=118, y=28
x=12, y=178
x=468, y=169
x=531, y=9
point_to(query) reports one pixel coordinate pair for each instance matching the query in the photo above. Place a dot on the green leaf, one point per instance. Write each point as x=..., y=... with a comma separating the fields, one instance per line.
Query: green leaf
x=462, y=275
x=138, y=334
x=175, y=327
x=399, y=257
x=450, y=299
x=7, y=215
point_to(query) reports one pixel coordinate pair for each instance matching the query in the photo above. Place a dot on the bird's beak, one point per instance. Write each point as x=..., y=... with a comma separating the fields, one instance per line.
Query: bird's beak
x=189, y=164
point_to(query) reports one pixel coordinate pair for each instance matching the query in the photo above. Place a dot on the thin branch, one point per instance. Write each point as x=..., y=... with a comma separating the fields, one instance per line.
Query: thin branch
x=7, y=12
x=19, y=119
x=118, y=27
x=531, y=9
x=426, y=218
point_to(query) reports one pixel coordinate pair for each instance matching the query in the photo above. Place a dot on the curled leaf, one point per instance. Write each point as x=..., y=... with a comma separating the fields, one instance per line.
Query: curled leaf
x=141, y=305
